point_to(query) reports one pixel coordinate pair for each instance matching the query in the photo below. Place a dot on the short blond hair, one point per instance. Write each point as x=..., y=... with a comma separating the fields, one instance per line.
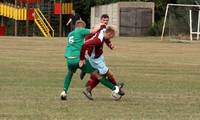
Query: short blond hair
x=78, y=22
x=110, y=29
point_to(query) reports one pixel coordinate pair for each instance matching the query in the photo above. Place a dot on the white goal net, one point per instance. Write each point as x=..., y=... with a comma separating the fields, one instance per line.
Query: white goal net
x=181, y=22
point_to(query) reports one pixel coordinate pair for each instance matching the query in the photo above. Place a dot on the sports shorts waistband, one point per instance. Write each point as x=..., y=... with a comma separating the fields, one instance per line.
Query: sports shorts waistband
x=72, y=57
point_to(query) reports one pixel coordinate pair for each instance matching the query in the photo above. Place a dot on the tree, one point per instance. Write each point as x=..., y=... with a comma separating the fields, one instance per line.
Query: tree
x=188, y=1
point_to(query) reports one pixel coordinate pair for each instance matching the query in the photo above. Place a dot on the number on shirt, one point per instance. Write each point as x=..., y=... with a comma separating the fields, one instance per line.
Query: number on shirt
x=71, y=39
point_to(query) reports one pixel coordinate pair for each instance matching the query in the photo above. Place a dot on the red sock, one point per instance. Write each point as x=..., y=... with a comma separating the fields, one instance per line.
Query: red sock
x=92, y=83
x=112, y=80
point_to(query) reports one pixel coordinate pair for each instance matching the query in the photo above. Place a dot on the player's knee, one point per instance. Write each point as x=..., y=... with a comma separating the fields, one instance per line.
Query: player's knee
x=96, y=75
x=109, y=74
x=93, y=77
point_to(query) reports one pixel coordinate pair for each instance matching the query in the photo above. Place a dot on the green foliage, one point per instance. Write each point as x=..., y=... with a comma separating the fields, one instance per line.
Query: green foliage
x=156, y=29
x=187, y=1
x=10, y=26
x=83, y=8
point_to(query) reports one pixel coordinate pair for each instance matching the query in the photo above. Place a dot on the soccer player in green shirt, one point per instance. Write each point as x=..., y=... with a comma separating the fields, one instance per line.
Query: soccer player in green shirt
x=72, y=55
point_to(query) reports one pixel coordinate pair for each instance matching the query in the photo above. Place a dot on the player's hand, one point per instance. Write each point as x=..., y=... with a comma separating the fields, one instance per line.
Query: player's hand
x=81, y=63
x=112, y=47
x=96, y=28
x=102, y=24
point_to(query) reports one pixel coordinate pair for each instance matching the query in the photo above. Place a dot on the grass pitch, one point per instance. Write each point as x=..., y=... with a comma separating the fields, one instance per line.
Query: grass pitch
x=162, y=81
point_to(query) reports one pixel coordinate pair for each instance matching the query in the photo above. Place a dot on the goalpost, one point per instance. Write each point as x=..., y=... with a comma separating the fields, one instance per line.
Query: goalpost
x=181, y=22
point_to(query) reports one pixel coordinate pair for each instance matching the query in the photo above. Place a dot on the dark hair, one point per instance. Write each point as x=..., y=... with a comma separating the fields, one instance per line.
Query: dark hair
x=104, y=16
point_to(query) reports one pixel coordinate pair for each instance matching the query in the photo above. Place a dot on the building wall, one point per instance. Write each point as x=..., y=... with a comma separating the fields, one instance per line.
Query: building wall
x=113, y=10
x=139, y=5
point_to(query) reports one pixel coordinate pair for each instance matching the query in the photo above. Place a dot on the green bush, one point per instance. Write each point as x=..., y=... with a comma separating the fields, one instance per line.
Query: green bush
x=156, y=29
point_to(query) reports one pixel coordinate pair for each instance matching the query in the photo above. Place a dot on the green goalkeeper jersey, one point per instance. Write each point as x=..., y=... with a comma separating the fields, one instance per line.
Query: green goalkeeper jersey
x=75, y=41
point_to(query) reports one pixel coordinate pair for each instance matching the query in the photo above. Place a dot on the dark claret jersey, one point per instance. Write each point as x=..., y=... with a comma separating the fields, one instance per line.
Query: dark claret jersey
x=95, y=45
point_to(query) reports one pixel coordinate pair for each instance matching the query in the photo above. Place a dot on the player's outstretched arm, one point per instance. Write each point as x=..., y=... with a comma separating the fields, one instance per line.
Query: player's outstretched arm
x=109, y=44
x=99, y=27
x=95, y=30
x=69, y=22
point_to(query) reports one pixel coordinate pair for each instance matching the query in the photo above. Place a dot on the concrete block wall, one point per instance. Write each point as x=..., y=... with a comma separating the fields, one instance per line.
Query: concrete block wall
x=113, y=10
